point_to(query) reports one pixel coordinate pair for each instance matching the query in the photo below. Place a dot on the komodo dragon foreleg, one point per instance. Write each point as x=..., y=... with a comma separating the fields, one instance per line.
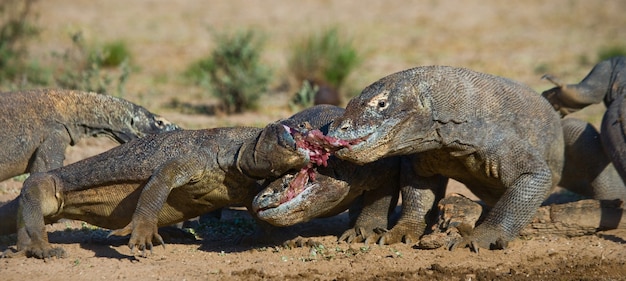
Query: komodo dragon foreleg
x=49, y=155
x=419, y=197
x=373, y=218
x=143, y=228
x=41, y=198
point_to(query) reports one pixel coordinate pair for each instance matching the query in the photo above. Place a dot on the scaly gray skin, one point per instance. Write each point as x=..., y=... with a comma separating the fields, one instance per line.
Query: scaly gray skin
x=498, y=137
x=287, y=201
x=605, y=83
x=38, y=125
x=150, y=182
x=587, y=170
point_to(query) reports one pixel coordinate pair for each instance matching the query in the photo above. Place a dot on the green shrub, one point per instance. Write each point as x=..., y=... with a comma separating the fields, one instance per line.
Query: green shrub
x=233, y=72
x=83, y=69
x=114, y=54
x=304, y=98
x=611, y=51
x=324, y=58
x=15, y=31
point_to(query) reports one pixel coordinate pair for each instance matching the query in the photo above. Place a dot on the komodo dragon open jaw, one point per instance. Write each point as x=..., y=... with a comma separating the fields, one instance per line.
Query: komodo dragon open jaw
x=320, y=148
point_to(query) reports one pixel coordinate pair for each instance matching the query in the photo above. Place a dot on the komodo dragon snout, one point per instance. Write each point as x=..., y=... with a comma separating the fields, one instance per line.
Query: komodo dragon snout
x=389, y=118
x=138, y=122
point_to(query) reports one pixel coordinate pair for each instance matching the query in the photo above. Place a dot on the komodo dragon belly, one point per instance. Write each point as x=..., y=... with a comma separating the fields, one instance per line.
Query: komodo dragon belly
x=470, y=169
x=112, y=206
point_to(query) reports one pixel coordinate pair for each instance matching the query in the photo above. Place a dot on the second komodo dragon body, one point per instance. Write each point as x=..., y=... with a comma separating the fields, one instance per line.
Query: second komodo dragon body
x=497, y=136
x=606, y=82
x=153, y=181
x=38, y=125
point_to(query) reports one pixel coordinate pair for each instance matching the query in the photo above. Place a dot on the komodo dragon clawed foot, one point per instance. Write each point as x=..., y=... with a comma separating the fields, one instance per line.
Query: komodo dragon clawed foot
x=360, y=234
x=482, y=236
x=37, y=250
x=406, y=233
x=300, y=241
x=142, y=234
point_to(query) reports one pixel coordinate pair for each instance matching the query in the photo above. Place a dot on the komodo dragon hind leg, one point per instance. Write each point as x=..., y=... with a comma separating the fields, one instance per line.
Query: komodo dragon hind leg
x=613, y=134
x=39, y=198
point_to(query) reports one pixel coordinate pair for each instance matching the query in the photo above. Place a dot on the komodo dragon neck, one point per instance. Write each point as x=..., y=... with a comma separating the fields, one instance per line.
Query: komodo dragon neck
x=89, y=114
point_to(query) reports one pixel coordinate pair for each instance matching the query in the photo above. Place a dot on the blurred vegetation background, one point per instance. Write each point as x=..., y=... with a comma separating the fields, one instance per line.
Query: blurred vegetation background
x=225, y=62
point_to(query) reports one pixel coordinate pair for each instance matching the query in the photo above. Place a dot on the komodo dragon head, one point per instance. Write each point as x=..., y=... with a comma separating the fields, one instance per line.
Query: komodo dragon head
x=284, y=201
x=120, y=119
x=392, y=116
x=306, y=194
x=281, y=148
x=294, y=198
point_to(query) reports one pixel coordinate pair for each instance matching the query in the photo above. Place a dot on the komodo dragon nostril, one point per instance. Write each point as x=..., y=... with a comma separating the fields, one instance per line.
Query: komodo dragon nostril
x=346, y=125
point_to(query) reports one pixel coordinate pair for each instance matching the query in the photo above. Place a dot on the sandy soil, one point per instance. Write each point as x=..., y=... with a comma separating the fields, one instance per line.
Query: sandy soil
x=518, y=41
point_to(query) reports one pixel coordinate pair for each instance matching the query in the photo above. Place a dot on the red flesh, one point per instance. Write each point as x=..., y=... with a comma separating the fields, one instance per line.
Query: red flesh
x=320, y=148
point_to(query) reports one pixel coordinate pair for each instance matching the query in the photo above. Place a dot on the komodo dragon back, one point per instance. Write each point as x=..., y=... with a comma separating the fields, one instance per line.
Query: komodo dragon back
x=38, y=125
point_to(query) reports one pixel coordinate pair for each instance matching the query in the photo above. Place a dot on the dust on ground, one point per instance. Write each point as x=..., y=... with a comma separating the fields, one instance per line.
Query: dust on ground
x=521, y=42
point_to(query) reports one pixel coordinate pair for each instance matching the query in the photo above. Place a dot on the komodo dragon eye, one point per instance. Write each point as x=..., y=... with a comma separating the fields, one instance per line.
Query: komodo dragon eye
x=380, y=101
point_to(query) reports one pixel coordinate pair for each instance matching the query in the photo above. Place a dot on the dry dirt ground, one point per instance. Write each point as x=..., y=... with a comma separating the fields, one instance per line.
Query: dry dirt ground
x=522, y=42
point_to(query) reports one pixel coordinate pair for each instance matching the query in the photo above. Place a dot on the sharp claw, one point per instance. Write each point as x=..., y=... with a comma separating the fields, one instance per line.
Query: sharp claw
x=451, y=245
x=360, y=231
x=160, y=239
x=350, y=239
x=380, y=230
x=132, y=248
x=407, y=240
x=474, y=247
x=381, y=241
x=367, y=240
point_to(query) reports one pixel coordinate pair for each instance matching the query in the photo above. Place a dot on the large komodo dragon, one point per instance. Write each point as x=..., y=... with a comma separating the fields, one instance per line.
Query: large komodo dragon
x=498, y=137
x=606, y=82
x=292, y=199
x=155, y=181
x=38, y=125
x=326, y=190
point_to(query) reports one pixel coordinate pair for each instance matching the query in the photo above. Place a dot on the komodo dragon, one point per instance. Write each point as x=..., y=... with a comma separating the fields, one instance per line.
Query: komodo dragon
x=290, y=200
x=587, y=170
x=498, y=137
x=606, y=82
x=155, y=181
x=38, y=125
x=327, y=190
